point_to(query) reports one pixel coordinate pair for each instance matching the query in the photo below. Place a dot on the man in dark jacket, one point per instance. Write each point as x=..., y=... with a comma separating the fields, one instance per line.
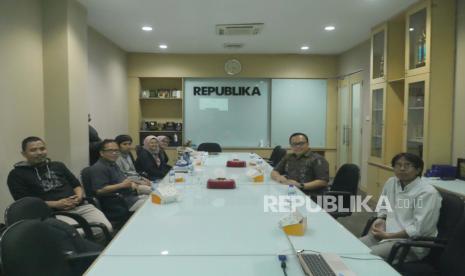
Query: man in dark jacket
x=51, y=181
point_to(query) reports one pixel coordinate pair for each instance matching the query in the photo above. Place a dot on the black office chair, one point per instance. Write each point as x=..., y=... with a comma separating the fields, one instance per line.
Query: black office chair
x=451, y=254
x=112, y=205
x=209, y=147
x=28, y=247
x=344, y=185
x=451, y=213
x=276, y=155
x=36, y=208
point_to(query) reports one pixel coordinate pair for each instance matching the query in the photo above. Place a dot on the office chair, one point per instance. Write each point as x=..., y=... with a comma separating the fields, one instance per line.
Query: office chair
x=209, y=147
x=112, y=205
x=276, y=155
x=36, y=208
x=29, y=248
x=451, y=213
x=451, y=254
x=345, y=185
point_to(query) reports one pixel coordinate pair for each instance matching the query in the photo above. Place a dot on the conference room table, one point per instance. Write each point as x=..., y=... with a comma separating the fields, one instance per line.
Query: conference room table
x=226, y=232
x=456, y=186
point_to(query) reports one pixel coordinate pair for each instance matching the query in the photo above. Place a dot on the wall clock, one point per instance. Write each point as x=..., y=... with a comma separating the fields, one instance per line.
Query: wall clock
x=232, y=67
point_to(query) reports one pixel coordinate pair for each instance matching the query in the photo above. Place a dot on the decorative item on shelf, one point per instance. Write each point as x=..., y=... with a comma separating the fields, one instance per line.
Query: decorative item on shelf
x=145, y=94
x=151, y=125
x=381, y=66
x=161, y=93
x=143, y=125
x=421, y=50
x=178, y=126
x=170, y=126
x=153, y=93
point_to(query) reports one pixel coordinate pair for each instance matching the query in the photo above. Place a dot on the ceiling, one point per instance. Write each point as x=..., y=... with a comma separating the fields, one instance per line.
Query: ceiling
x=188, y=26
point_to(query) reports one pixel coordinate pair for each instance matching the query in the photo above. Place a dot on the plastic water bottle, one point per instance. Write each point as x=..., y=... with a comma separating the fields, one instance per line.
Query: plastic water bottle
x=291, y=191
x=171, y=176
x=155, y=184
x=190, y=169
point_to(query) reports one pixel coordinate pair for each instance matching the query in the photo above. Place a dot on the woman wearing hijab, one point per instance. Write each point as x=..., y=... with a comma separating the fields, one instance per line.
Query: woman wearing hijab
x=149, y=161
x=164, y=142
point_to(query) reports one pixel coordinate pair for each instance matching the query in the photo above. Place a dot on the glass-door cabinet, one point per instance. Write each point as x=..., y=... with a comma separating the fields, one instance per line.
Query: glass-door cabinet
x=418, y=39
x=414, y=114
x=378, y=54
x=378, y=100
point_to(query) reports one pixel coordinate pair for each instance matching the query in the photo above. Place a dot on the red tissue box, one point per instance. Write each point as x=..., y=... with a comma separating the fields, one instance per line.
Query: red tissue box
x=236, y=163
x=221, y=183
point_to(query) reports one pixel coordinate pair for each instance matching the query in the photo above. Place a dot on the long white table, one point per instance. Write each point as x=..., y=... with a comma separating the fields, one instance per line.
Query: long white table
x=456, y=186
x=225, y=232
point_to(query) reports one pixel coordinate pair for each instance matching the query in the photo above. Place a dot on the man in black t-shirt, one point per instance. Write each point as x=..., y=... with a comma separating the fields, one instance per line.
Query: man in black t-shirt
x=51, y=181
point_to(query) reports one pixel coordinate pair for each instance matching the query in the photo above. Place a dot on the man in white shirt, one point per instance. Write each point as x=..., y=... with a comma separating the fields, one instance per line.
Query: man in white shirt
x=415, y=209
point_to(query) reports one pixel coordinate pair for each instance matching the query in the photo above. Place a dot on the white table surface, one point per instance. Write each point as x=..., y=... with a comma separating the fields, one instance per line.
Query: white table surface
x=225, y=232
x=453, y=186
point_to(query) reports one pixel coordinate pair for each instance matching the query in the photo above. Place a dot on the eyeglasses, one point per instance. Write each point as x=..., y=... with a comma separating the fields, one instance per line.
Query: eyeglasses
x=406, y=166
x=298, y=144
x=112, y=151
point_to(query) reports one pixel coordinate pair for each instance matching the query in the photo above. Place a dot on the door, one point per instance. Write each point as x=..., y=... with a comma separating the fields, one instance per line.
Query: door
x=350, y=120
x=343, y=123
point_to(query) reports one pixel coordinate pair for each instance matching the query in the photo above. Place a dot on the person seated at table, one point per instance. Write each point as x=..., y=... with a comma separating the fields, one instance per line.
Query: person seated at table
x=106, y=177
x=412, y=209
x=126, y=161
x=148, y=160
x=53, y=182
x=164, y=142
x=302, y=168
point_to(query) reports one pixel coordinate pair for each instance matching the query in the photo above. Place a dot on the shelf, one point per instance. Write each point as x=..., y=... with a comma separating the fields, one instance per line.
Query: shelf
x=416, y=108
x=163, y=99
x=396, y=80
x=417, y=140
x=377, y=109
x=160, y=131
x=377, y=136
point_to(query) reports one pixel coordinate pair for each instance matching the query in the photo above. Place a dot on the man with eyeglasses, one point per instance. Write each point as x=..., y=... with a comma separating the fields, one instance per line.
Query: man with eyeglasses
x=106, y=177
x=302, y=168
x=53, y=182
x=412, y=209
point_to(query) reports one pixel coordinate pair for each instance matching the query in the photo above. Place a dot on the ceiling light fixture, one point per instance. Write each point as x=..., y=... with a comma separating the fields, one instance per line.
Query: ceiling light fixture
x=163, y=46
x=304, y=48
x=330, y=28
x=147, y=28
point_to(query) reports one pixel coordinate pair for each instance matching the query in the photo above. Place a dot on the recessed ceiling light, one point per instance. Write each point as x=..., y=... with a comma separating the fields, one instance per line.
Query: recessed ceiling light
x=330, y=28
x=304, y=48
x=411, y=29
x=162, y=46
x=147, y=28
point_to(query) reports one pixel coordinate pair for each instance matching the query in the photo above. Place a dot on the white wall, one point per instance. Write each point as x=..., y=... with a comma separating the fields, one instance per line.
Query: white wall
x=107, y=86
x=458, y=149
x=21, y=83
x=354, y=60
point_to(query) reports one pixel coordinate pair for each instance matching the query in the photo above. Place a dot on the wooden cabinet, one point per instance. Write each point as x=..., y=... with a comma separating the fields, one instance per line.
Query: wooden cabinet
x=417, y=39
x=417, y=86
x=378, y=99
x=378, y=54
x=156, y=108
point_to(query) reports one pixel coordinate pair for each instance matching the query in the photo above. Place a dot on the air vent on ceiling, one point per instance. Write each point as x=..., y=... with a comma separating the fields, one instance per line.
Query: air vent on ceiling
x=230, y=45
x=239, y=29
